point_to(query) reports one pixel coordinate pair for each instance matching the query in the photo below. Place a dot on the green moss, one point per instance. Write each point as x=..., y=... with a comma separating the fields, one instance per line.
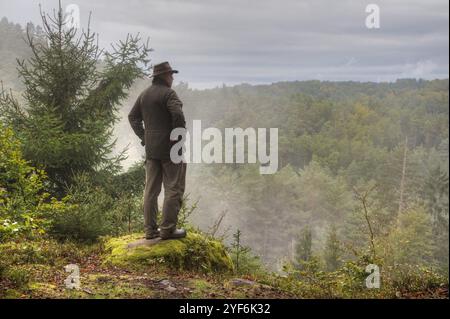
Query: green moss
x=200, y=288
x=11, y=294
x=196, y=252
x=19, y=276
x=44, y=290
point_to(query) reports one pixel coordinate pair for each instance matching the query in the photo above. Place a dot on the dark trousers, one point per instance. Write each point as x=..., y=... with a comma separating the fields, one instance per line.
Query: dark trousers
x=173, y=177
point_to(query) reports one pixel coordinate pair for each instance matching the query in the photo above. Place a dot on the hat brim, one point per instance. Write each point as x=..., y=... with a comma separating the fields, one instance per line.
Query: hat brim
x=164, y=72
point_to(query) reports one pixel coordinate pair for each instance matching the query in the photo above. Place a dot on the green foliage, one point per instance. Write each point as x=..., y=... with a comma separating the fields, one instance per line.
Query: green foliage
x=126, y=216
x=17, y=275
x=185, y=211
x=368, y=223
x=244, y=261
x=332, y=250
x=131, y=182
x=71, y=103
x=97, y=213
x=349, y=281
x=412, y=238
x=44, y=251
x=25, y=208
x=303, y=248
x=414, y=278
x=333, y=137
x=369, y=158
x=237, y=248
x=89, y=217
x=23, y=260
x=13, y=47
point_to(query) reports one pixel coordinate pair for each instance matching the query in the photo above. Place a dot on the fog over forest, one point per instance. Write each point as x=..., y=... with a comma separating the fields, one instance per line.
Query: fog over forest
x=228, y=188
x=363, y=142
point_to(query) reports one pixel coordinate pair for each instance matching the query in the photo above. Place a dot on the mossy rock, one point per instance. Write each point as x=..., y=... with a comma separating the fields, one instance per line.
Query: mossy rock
x=195, y=252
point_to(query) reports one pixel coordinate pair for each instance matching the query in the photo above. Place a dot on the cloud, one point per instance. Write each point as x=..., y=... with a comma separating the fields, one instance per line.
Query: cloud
x=263, y=41
x=420, y=69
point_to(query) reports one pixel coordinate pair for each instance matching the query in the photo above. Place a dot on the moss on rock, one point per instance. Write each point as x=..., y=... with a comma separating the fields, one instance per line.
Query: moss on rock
x=195, y=252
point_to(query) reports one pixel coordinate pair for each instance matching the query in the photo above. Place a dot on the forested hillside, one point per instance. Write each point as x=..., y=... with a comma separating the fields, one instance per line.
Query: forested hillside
x=13, y=47
x=362, y=178
x=336, y=139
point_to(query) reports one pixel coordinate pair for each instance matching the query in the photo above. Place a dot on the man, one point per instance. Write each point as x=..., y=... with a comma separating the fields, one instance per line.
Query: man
x=160, y=109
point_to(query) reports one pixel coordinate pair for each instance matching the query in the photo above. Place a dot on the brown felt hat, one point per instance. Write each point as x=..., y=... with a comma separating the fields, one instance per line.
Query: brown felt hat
x=161, y=68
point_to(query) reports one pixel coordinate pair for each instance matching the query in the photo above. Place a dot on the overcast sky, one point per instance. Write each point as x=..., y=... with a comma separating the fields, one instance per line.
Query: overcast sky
x=213, y=42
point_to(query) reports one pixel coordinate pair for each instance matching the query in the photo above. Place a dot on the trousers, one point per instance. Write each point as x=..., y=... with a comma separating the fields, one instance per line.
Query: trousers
x=160, y=172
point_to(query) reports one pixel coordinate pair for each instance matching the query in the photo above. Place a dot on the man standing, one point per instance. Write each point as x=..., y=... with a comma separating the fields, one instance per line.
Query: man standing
x=160, y=109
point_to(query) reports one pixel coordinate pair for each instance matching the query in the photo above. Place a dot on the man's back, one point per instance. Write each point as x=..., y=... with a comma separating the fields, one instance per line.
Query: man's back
x=160, y=109
x=153, y=104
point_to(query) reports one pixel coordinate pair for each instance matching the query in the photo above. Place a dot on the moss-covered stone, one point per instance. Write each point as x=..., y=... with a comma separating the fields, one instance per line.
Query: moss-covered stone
x=196, y=252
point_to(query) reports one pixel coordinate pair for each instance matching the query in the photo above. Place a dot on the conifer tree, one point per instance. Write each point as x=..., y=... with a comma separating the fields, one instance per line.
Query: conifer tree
x=72, y=91
x=303, y=248
x=332, y=251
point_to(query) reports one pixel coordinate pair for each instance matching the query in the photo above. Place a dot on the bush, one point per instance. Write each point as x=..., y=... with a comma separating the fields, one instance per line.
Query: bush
x=245, y=263
x=411, y=240
x=25, y=208
x=96, y=213
x=249, y=264
x=407, y=278
x=89, y=217
x=127, y=215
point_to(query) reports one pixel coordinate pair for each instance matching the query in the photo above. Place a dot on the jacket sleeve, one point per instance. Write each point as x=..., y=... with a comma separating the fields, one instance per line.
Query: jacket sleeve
x=174, y=105
x=135, y=119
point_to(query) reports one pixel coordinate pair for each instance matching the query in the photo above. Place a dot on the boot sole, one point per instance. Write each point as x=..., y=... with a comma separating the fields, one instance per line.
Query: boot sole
x=174, y=237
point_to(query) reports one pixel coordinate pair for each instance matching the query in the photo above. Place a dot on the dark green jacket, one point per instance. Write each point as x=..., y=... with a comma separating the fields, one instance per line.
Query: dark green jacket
x=160, y=110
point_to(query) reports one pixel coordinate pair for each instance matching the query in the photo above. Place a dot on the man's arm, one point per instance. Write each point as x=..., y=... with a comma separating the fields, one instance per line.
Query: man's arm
x=135, y=119
x=174, y=105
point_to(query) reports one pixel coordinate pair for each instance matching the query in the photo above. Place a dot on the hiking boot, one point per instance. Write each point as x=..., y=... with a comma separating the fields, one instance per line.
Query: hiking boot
x=177, y=233
x=153, y=234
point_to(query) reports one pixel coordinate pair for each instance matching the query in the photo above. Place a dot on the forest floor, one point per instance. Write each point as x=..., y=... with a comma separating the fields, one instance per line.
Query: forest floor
x=100, y=280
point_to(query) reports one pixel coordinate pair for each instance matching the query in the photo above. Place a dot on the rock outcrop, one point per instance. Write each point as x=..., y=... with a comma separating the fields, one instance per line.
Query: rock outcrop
x=196, y=252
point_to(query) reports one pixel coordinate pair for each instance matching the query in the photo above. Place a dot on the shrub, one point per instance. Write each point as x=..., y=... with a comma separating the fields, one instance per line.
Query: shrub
x=25, y=208
x=408, y=278
x=244, y=261
x=95, y=213
x=411, y=240
x=89, y=217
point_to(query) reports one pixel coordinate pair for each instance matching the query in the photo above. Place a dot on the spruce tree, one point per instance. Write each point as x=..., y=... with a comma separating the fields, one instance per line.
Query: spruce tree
x=72, y=92
x=303, y=248
x=332, y=253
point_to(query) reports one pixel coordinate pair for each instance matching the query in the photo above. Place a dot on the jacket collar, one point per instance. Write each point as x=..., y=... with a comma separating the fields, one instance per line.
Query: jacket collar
x=158, y=81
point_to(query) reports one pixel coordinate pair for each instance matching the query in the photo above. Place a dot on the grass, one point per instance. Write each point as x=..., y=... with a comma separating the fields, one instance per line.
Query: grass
x=36, y=270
